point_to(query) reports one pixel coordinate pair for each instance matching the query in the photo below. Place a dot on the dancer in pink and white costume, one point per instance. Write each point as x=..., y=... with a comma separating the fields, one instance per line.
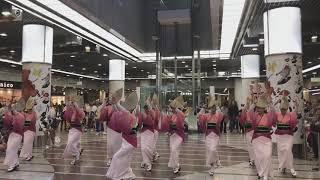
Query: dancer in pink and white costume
x=286, y=126
x=74, y=115
x=210, y=124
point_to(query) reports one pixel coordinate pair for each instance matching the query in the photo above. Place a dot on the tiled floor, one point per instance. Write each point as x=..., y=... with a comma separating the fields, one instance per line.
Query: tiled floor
x=232, y=153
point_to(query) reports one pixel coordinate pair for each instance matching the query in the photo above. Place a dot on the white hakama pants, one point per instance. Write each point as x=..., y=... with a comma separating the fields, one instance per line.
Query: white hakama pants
x=175, y=147
x=73, y=144
x=120, y=164
x=147, y=146
x=262, y=148
x=28, y=138
x=14, y=142
x=284, y=147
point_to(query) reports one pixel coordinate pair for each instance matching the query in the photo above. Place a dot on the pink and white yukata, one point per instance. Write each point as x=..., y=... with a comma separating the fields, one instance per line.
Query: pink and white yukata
x=210, y=124
x=74, y=116
x=14, y=123
x=120, y=165
x=174, y=124
x=286, y=125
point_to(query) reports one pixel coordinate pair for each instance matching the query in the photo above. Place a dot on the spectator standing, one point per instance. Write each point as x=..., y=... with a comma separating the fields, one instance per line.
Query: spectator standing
x=233, y=115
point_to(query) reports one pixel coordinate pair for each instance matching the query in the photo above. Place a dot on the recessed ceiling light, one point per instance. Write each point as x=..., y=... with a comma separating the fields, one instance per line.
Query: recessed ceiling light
x=12, y=51
x=127, y=73
x=102, y=81
x=99, y=64
x=183, y=62
x=6, y=12
x=126, y=64
x=71, y=65
x=83, y=69
x=72, y=56
x=12, y=65
x=309, y=62
x=3, y=34
x=186, y=66
x=80, y=77
x=87, y=49
x=214, y=65
x=314, y=73
x=254, y=49
x=214, y=61
x=134, y=67
x=239, y=70
x=304, y=75
x=105, y=54
x=264, y=70
x=68, y=75
x=227, y=79
x=314, y=38
x=189, y=69
x=141, y=70
x=148, y=72
x=95, y=71
x=104, y=74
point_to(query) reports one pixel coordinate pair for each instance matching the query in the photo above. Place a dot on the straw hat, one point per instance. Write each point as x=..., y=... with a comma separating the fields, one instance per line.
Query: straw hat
x=262, y=102
x=131, y=101
x=117, y=95
x=29, y=104
x=284, y=103
x=177, y=102
x=155, y=100
x=211, y=102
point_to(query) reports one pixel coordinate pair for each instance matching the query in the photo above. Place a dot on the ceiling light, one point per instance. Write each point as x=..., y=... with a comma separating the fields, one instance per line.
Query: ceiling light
x=12, y=65
x=261, y=40
x=71, y=65
x=214, y=61
x=6, y=12
x=189, y=69
x=12, y=51
x=183, y=62
x=92, y=80
x=214, y=65
x=3, y=34
x=87, y=49
x=309, y=62
x=67, y=75
x=80, y=77
x=148, y=72
x=186, y=66
x=134, y=67
x=105, y=55
x=99, y=64
x=314, y=38
x=72, y=56
x=104, y=74
x=83, y=69
x=141, y=70
x=264, y=70
x=102, y=81
x=239, y=70
x=95, y=71
x=254, y=49
x=314, y=73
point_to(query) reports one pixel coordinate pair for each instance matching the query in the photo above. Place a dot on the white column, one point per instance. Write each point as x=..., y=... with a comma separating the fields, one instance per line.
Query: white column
x=37, y=47
x=116, y=75
x=250, y=72
x=283, y=54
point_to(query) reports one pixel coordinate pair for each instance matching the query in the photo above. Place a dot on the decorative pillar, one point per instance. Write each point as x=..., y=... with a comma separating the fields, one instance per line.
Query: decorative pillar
x=283, y=54
x=37, y=46
x=116, y=75
x=250, y=72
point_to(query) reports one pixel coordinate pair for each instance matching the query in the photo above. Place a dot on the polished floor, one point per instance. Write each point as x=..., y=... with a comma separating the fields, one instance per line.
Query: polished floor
x=49, y=165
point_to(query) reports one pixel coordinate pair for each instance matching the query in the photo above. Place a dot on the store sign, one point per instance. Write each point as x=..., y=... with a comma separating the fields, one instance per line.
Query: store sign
x=9, y=85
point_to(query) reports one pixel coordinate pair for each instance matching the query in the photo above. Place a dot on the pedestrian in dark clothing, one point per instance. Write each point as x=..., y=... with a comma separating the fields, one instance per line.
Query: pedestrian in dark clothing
x=233, y=115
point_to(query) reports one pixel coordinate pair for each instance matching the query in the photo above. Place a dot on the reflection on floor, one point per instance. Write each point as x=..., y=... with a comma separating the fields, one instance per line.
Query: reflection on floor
x=232, y=153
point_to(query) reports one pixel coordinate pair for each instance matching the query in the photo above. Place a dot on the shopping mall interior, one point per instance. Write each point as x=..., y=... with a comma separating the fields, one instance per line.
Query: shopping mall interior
x=221, y=51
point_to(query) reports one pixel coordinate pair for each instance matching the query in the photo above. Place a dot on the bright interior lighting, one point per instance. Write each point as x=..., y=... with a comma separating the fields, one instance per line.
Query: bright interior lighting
x=311, y=69
x=99, y=64
x=72, y=56
x=6, y=13
x=12, y=51
x=3, y=34
x=105, y=55
x=309, y=62
x=232, y=12
x=254, y=49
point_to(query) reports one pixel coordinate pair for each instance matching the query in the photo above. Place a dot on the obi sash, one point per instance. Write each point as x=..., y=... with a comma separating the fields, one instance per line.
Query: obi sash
x=211, y=125
x=283, y=126
x=263, y=129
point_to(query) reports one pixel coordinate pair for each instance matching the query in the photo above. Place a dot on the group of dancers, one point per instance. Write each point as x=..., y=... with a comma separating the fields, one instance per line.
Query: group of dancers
x=126, y=120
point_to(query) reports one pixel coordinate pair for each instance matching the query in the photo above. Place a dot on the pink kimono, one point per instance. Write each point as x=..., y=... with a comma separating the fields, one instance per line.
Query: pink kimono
x=29, y=134
x=74, y=116
x=286, y=126
x=246, y=122
x=147, y=135
x=120, y=165
x=114, y=138
x=261, y=142
x=210, y=124
x=15, y=126
x=174, y=124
